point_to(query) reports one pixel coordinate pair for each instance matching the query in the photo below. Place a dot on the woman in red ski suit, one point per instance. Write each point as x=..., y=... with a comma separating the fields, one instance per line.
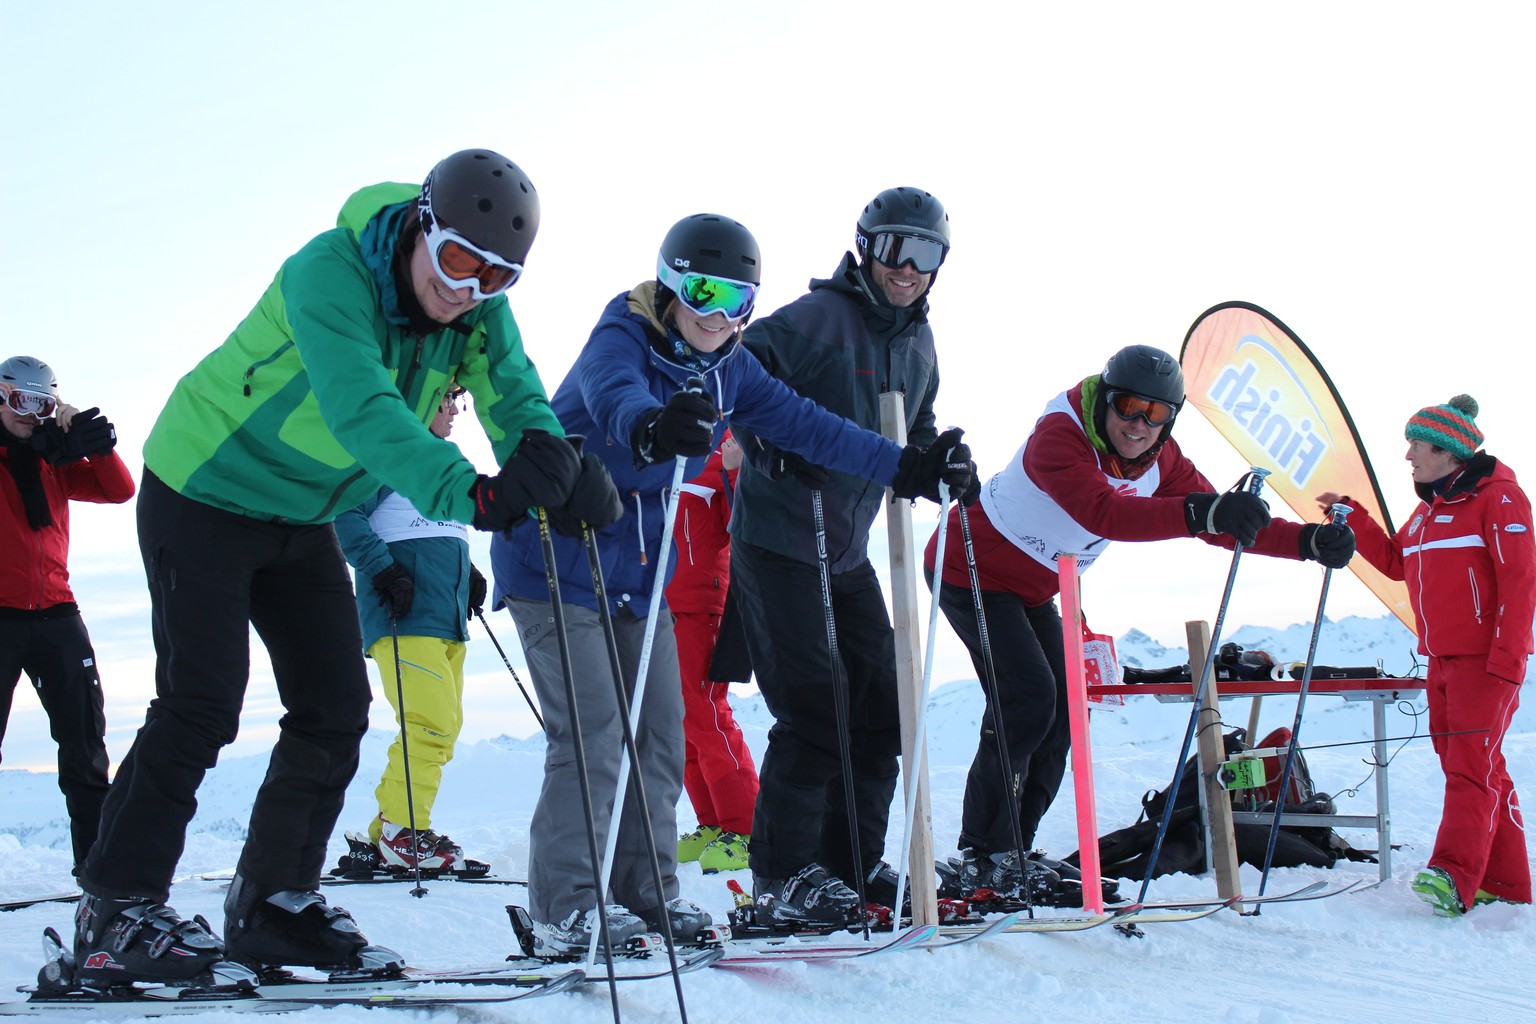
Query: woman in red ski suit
x=1467, y=557
x=718, y=772
x=1100, y=465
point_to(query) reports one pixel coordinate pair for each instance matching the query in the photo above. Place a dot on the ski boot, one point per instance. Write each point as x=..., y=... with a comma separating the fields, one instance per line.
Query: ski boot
x=1436, y=887
x=810, y=897
x=998, y=881
x=294, y=927
x=361, y=860
x=690, y=924
x=726, y=852
x=691, y=844
x=122, y=941
x=571, y=938
x=1072, y=879
x=429, y=851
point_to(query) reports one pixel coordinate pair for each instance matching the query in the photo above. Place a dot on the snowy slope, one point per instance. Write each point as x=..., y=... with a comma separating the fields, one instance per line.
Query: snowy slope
x=1378, y=956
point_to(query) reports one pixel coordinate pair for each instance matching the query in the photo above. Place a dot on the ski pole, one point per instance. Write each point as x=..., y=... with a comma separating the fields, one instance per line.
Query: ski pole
x=418, y=890
x=505, y=661
x=669, y=518
x=642, y=803
x=579, y=751
x=840, y=706
x=994, y=698
x=916, y=770
x=1337, y=514
x=1255, y=482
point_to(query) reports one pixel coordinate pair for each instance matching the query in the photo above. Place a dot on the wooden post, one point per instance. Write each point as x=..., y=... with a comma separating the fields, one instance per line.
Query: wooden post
x=907, y=622
x=1221, y=839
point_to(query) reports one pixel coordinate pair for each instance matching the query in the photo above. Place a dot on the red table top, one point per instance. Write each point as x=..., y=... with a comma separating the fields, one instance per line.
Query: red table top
x=1268, y=687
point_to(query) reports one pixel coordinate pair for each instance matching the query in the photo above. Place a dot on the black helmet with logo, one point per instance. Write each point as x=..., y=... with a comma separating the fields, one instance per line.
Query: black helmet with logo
x=1145, y=371
x=908, y=212
x=486, y=198
x=707, y=243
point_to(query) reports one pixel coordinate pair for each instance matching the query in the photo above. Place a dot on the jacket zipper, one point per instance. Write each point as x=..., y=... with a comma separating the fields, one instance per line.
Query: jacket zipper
x=1477, y=600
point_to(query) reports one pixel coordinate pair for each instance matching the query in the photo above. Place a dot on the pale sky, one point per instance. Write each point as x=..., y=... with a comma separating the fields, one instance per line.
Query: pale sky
x=1111, y=170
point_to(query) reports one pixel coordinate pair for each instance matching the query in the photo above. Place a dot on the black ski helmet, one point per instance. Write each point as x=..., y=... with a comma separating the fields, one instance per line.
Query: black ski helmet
x=486, y=198
x=707, y=243
x=30, y=374
x=904, y=211
x=1145, y=371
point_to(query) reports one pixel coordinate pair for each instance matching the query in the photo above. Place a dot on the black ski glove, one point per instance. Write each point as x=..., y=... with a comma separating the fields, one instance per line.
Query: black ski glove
x=1332, y=544
x=540, y=473
x=684, y=426
x=786, y=464
x=477, y=590
x=947, y=461
x=89, y=434
x=396, y=589
x=594, y=500
x=1238, y=514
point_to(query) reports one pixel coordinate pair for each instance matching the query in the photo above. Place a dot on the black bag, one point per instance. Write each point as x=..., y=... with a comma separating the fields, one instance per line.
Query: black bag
x=1124, y=852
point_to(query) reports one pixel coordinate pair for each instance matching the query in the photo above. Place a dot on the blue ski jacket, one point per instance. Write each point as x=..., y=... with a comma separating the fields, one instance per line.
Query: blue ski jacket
x=619, y=377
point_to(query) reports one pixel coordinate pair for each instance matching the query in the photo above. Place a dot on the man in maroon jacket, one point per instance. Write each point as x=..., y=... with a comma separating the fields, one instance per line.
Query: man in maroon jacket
x=1467, y=557
x=53, y=453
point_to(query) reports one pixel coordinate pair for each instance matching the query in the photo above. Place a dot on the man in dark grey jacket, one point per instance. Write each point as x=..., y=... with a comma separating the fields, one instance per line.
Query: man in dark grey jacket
x=855, y=335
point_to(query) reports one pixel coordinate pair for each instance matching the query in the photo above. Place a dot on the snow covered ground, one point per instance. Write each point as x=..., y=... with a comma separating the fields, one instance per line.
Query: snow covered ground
x=1375, y=956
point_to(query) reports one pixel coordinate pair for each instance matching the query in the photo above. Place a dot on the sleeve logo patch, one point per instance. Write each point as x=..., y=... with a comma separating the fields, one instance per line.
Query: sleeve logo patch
x=1515, y=528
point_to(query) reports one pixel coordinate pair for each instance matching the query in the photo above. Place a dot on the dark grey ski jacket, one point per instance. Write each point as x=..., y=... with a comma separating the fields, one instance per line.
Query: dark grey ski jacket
x=840, y=346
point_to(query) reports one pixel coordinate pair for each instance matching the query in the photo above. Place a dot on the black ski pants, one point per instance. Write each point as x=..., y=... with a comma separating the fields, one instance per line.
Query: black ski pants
x=801, y=816
x=212, y=576
x=1028, y=657
x=54, y=650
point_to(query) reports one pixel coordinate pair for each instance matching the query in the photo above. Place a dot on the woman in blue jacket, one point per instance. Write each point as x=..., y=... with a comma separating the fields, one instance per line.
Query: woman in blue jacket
x=628, y=394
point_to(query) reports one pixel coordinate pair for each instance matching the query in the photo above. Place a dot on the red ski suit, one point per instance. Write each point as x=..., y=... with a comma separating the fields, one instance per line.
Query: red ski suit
x=1470, y=565
x=718, y=771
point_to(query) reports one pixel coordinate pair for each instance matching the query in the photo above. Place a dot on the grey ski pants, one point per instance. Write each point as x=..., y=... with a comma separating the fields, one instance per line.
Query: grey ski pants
x=559, y=864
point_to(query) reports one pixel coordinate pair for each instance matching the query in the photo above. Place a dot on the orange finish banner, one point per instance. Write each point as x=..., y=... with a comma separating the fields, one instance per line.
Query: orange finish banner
x=1267, y=394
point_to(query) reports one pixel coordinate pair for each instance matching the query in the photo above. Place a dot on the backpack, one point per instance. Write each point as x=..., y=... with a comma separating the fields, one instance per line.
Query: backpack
x=1124, y=852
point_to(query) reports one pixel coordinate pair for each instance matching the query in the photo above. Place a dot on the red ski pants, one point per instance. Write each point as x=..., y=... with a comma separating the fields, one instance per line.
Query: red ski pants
x=1481, y=841
x=718, y=772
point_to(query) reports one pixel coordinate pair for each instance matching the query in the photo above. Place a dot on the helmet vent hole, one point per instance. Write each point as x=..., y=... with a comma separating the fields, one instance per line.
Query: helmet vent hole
x=484, y=205
x=496, y=173
x=712, y=253
x=517, y=223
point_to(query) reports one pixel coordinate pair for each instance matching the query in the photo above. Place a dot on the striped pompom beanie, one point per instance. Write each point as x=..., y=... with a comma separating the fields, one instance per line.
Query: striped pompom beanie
x=1449, y=426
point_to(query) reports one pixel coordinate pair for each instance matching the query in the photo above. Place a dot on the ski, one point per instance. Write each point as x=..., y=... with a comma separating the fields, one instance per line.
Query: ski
x=386, y=877
x=289, y=995
x=628, y=969
x=414, y=988
x=134, y=1006
x=32, y=901
x=793, y=948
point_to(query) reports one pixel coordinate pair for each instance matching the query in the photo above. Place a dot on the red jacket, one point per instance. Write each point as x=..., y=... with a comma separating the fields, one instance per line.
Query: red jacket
x=34, y=572
x=703, y=543
x=1470, y=565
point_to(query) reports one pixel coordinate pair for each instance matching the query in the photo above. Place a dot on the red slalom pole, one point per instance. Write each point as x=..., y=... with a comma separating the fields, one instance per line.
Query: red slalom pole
x=1082, y=753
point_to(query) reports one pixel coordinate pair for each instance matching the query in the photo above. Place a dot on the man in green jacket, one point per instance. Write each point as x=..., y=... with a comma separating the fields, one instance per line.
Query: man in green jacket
x=320, y=396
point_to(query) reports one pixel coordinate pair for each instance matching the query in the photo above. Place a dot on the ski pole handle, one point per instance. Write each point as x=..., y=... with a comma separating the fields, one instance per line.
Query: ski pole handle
x=1256, y=479
x=1338, y=512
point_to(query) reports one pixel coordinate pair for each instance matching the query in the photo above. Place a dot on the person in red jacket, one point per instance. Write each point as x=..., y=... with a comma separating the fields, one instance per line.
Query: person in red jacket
x=718, y=771
x=1468, y=559
x=53, y=453
x=1100, y=466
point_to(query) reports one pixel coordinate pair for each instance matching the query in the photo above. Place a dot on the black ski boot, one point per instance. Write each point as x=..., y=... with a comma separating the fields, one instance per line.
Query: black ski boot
x=811, y=897
x=122, y=941
x=1072, y=878
x=1009, y=882
x=295, y=927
